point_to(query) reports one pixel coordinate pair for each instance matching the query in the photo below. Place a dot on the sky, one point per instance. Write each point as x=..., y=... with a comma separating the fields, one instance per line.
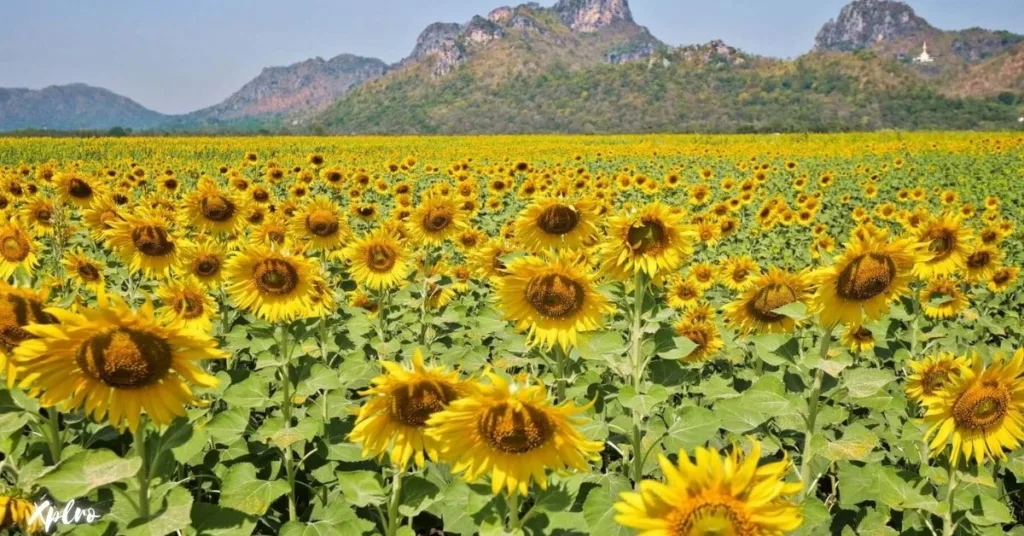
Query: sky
x=181, y=55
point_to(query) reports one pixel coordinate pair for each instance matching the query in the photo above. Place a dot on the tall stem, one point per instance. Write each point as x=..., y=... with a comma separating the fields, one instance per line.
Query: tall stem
x=512, y=500
x=139, y=442
x=426, y=297
x=812, y=414
x=560, y=361
x=947, y=518
x=394, y=520
x=286, y=412
x=636, y=359
x=52, y=419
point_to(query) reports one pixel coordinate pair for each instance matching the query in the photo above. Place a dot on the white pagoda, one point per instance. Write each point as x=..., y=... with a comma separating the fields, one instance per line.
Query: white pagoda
x=924, y=57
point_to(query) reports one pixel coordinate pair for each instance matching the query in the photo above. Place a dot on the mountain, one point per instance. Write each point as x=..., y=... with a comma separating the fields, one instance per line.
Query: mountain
x=72, y=107
x=587, y=66
x=294, y=91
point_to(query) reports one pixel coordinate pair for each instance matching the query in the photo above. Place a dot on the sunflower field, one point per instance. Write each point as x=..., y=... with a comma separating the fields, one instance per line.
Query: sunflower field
x=657, y=335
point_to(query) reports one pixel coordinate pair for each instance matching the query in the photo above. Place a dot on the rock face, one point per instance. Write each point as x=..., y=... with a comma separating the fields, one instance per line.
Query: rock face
x=308, y=86
x=72, y=107
x=592, y=15
x=863, y=23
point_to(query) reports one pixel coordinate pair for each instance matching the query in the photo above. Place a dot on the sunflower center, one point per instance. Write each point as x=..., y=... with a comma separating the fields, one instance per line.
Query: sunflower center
x=982, y=406
x=942, y=242
x=17, y=312
x=152, y=241
x=709, y=517
x=933, y=379
x=380, y=257
x=414, y=403
x=647, y=237
x=515, y=429
x=126, y=358
x=437, y=220
x=863, y=335
x=44, y=215
x=14, y=247
x=261, y=196
x=764, y=303
x=88, y=272
x=989, y=236
x=205, y=265
x=322, y=223
x=276, y=236
x=865, y=277
x=217, y=208
x=558, y=220
x=188, y=305
x=555, y=295
x=739, y=275
x=979, y=259
x=275, y=277
x=78, y=188
x=1001, y=278
x=696, y=334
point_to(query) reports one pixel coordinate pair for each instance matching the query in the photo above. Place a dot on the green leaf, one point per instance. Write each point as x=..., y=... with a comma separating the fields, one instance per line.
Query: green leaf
x=553, y=499
x=172, y=515
x=862, y=383
x=214, y=520
x=598, y=509
x=81, y=473
x=683, y=347
x=465, y=508
x=856, y=444
x=737, y=415
x=875, y=524
x=241, y=490
x=418, y=494
x=229, y=426
x=597, y=345
x=856, y=485
x=894, y=490
x=253, y=392
x=796, y=310
x=692, y=428
x=339, y=520
x=361, y=488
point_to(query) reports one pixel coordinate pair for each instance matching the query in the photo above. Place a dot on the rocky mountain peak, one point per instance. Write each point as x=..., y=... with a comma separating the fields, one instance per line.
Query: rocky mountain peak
x=592, y=15
x=862, y=23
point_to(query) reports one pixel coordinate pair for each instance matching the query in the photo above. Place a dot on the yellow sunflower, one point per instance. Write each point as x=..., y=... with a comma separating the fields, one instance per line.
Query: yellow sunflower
x=211, y=209
x=394, y=419
x=39, y=214
x=931, y=373
x=702, y=333
x=145, y=242
x=983, y=261
x=378, y=260
x=18, y=511
x=942, y=297
x=17, y=250
x=1000, y=281
x=78, y=189
x=864, y=280
x=858, y=338
x=555, y=298
x=683, y=293
x=187, y=301
x=739, y=273
x=85, y=271
x=652, y=240
x=713, y=494
x=115, y=362
x=98, y=217
x=486, y=262
x=702, y=274
x=553, y=223
x=436, y=219
x=273, y=285
x=948, y=244
x=514, y=434
x=979, y=410
x=204, y=260
x=19, y=307
x=755, y=310
x=273, y=232
x=322, y=224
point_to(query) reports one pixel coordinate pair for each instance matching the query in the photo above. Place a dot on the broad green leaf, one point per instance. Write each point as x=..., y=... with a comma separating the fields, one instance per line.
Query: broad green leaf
x=692, y=428
x=253, y=392
x=241, y=490
x=361, y=488
x=598, y=509
x=894, y=490
x=862, y=382
x=76, y=476
x=737, y=415
x=214, y=520
x=172, y=515
x=856, y=444
x=227, y=427
x=418, y=494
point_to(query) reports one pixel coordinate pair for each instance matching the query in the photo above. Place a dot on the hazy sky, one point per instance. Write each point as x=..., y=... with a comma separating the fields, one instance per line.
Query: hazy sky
x=181, y=55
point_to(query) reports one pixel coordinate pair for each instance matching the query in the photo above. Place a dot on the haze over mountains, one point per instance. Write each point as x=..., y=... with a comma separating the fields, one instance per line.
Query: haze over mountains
x=588, y=66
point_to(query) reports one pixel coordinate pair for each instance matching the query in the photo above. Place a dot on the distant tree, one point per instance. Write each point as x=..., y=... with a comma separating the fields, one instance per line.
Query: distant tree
x=1007, y=98
x=118, y=132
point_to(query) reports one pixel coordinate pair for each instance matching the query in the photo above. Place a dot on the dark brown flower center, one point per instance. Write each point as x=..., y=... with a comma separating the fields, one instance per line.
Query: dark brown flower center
x=188, y=305
x=206, y=265
x=555, y=295
x=437, y=220
x=381, y=258
x=17, y=312
x=979, y=259
x=982, y=406
x=322, y=223
x=413, y=404
x=647, y=237
x=515, y=430
x=865, y=277
x=764, y=303
x=14, y=245
x=152, y=241
x=125, y=358
x=276, y=277
x=941, y=243
x=79, y=188
x=217, y=208
x=88, y=272
x=558, y=219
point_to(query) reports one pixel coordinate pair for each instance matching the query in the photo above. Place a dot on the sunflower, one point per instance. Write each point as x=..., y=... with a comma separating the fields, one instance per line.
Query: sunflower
x=87, y=272
x=948, y=244
x=864, y=280
x=487, y=261
x=365, y=211
x=360, y=299
x=713, y=494
x=273, y=285
x=942, y=297
x=187, y=301
x=513, y=433
x=322, y=224
x=932, y=373
x=701, y=332
x=436, y=219
x=18, y=511
x=78, y=189
x=555, y=298
x=858, y=338
x=702, y=274
x=755, y=310
x=394, y=419
x=39, y=214
x=683, y=293
x=273, y=232
x=210, y=209
x=739, y=273
x=204, y=260
x=652, y=240
x=1003, y=278
x=19, y=307
x=116, y=362
x=378, y=260
x=979, y=410
x=982, y=262
x=552, y=223
x=145, y=242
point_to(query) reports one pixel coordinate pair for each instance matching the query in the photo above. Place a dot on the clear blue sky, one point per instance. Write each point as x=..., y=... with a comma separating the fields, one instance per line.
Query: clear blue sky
x=177, y=56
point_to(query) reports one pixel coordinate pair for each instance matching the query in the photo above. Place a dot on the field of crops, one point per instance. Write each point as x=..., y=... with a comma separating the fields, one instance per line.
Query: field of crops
x=658, y=335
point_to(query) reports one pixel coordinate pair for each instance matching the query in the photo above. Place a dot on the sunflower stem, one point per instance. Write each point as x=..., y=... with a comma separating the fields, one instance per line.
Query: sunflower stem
x=423, y=302
x=394, y=520
x=947, y=518
x=812, y=413
x=512, y=501
x=139, y=442
x=636, y=359
x=53, y=437
x=286, y=412
x=560, y=381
